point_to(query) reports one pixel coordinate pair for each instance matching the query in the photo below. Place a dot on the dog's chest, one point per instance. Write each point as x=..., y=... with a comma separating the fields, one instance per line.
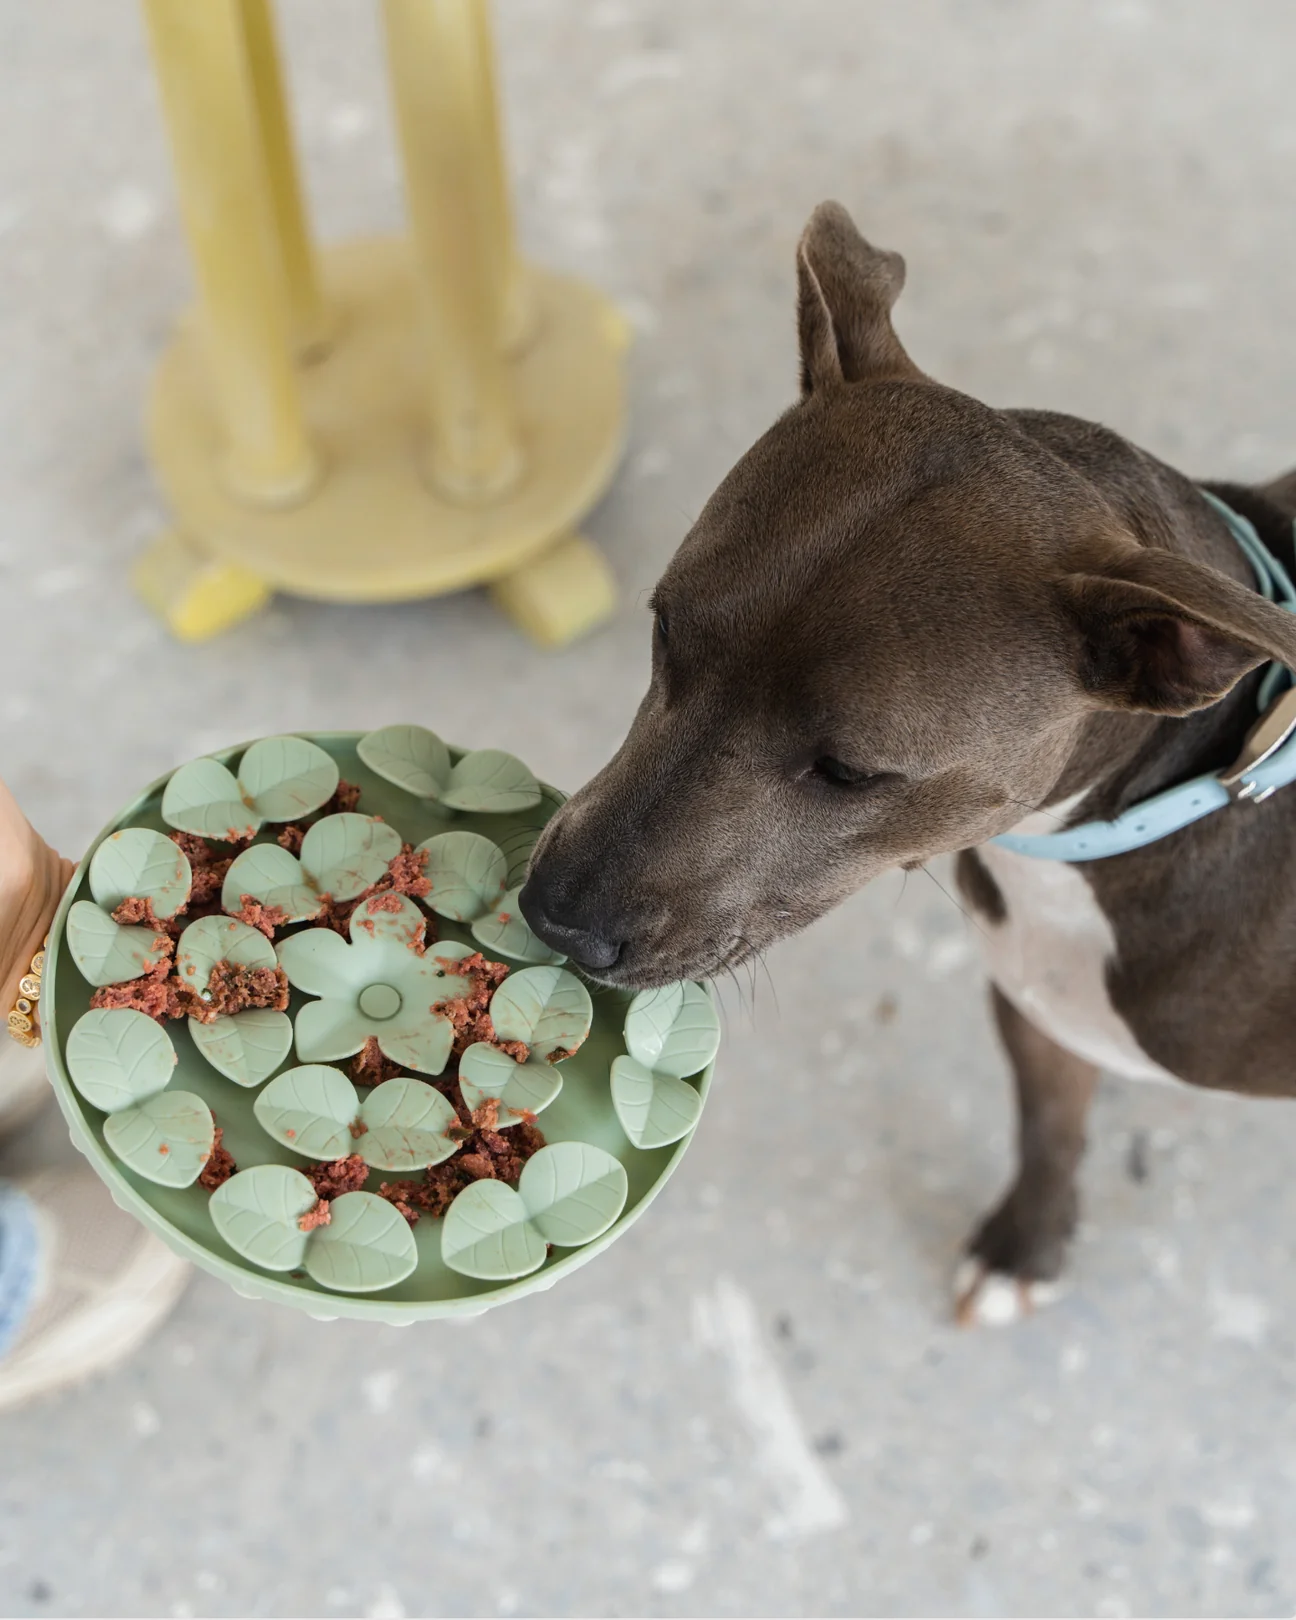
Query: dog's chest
x=1050, y=957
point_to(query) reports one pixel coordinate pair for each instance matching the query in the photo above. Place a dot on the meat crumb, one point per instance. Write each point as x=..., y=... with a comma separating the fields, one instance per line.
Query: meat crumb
x=256, y=915
x=343, y=801
x=369, y=1067
x=137, y=912
x=220, y=1164
x=319, y=1214
x=232, y=989
x=342, y=1176
x=291, y=838
x=467, y=1013
x=487, y=1155
x=403, y=1197
x=404, y=876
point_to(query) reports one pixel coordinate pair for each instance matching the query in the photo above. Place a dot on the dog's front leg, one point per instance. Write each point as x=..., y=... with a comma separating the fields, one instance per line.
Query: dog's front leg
x=1016, y=1255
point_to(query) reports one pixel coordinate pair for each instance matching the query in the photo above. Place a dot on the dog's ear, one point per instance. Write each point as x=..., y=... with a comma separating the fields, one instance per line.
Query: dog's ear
x=1166, y=635
x=845, y=290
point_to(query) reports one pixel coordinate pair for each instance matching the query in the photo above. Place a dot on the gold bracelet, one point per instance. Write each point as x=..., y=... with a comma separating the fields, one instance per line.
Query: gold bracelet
x=21, y=1022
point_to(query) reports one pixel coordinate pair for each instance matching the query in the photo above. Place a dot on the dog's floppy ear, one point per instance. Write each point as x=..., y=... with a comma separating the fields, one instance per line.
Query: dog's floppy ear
x=845, y=290
x=1166, y=635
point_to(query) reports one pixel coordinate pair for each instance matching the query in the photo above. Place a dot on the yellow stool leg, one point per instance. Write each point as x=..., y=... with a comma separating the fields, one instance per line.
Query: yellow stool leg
x=196, y=596
x=446, y=121
x=307, y=311
x=560, y=594
x=203, y=68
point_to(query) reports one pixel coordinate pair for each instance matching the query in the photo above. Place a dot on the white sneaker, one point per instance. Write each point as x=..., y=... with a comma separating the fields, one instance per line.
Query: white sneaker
x=104, y=1284
x=24, y=1085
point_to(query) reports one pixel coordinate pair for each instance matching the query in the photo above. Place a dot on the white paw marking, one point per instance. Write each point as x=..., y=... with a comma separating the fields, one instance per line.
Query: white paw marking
x=984, y=1298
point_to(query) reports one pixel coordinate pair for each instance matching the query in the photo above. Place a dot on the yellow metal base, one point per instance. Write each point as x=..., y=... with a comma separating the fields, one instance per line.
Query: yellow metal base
x=374, y=529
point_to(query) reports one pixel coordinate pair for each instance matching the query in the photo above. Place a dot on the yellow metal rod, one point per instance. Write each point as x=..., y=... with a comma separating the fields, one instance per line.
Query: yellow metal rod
x=202, y=65
x=306, y=308
x=447, y=123
x=516, y=305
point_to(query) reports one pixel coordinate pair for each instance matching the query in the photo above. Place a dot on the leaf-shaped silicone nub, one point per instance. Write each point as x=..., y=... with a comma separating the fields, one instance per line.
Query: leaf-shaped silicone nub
x=367, y=1245
x=505, y=930
x=654, y=1109
x=486, y=1234
x=346, y=854
x=467, y=873
x=141, y=864
x=674, y=1030
x=287, y=778
x=411, y=756
x=312, y=1110
x=166, y=1138
x=219, y=939
x=547, y=1007
x=573, y=1192
x=492, y=781
x=117, y=1057
x=107, y=953
x=203, y=797
x=569, y=1193
x=520, y=1088
x=247, y=1047
x=405, y=1123
x=257, y=1213
x=274, y=877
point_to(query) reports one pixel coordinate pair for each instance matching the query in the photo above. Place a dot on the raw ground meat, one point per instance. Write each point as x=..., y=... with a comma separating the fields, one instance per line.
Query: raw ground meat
x=256, y=915
x=403, y=1197
x=319, y=1214
x=468, y=1013
x=220, y=1165
x=209, y=871
x=135, y=912
x=369, y=1067
x=234, y=989
x=404, y=875
x=561, y=1053
x=342, y=1176
x=158, y=994
x=486, y=1155
x=343, y=801
x=161, y=995
x=291, y=838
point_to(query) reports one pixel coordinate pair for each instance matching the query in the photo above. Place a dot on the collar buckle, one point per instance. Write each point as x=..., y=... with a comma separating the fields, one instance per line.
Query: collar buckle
x=1274, y=727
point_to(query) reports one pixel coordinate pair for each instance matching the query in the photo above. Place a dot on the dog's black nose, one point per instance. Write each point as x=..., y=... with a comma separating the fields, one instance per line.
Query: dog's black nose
x=558, y=924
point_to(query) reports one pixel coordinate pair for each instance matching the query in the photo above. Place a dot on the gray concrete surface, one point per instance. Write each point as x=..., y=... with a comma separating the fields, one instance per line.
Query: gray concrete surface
x=756, y=1403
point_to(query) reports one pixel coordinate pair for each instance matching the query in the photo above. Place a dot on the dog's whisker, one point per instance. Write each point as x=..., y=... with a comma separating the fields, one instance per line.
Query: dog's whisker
x=954, y=901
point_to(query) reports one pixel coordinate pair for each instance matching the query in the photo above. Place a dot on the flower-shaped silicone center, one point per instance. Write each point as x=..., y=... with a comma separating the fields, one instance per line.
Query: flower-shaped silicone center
x=383, y=985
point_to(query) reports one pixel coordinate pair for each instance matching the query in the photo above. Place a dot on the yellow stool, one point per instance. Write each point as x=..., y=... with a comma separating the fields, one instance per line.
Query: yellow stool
x=406, y=418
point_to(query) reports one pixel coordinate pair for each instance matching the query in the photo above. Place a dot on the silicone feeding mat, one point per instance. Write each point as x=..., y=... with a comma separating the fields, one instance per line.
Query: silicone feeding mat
x=296, y=1021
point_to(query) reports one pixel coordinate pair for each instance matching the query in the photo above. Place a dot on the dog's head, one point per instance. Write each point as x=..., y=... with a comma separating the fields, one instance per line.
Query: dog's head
x=879, y=642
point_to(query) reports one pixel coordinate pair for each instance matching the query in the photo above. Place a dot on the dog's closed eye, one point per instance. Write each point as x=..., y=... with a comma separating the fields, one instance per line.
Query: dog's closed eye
x=828, y=768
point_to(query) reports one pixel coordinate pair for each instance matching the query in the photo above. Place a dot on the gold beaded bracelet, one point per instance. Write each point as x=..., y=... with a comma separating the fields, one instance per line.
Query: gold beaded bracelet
x=21, y=1022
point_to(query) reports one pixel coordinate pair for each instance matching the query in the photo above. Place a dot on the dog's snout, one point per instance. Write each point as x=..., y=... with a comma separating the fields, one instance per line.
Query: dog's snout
x=559, y=921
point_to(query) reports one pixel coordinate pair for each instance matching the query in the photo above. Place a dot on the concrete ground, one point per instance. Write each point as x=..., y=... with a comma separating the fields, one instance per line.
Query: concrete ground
x=756, y=1404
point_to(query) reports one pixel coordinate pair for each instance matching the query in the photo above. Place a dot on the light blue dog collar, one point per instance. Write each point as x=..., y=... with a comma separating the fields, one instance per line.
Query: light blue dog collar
x=1266, y=763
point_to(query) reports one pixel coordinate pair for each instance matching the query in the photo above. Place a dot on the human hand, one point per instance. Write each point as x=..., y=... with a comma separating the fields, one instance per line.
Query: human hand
x=32, y=880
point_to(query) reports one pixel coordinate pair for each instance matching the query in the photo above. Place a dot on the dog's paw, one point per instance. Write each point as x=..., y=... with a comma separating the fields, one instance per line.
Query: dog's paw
x=985, y=1298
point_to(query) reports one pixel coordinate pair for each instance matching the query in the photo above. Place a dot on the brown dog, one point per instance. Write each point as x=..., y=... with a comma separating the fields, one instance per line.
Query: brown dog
x=906, y=623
